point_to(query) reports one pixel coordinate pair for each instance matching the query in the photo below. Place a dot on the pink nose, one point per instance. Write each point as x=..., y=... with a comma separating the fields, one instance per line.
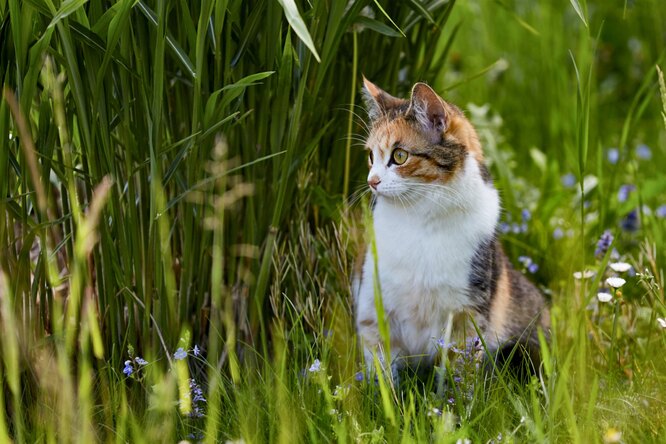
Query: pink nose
x=373, y=182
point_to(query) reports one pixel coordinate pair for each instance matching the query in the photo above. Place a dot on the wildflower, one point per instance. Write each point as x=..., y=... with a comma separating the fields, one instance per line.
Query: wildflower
x=585, y=274
x=661, y=322
x=526, y=215
x=516, y=228
x=604, y=296
x=568, y=180
x=620, y=267
x=612, y=435
x=661, y=211
x=141, y=361
x=180, y=354
x=528, y=263
x=435, y=412
x=197, y=398
x=615, y=282
x=631, y=222
x=613, y=155
x=558, y=233
x=128, y=370
x=624, y=191
x=196, y=350
x=315, y=367
x=196, y=390
x=525, y=260
x=451, y=401
x=359, y=376
x=604, y=243
x=504, y=227
x=643, y=152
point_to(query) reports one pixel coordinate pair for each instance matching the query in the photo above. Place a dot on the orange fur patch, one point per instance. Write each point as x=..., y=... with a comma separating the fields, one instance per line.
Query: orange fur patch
x=501, y=306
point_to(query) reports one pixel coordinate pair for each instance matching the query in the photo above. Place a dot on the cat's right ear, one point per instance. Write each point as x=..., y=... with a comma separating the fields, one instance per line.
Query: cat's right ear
x=377, y=101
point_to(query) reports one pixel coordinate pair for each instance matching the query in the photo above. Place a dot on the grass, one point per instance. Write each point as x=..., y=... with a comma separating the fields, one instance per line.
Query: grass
x=179, y=174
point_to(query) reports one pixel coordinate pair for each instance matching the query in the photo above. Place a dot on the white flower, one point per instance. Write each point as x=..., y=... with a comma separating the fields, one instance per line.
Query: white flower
x=620, y=267
x=662, y=322
x=586, y=274
x=315, y=367
x=615, y=282
x=604, y=297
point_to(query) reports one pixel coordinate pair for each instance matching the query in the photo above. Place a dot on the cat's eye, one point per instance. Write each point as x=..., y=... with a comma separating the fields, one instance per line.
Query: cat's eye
x=371, y=159
x=399, y=156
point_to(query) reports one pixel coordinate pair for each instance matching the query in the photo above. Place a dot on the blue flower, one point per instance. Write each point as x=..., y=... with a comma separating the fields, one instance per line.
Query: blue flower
x=532, y=268
x=128, y=370
x=624, y=191
x=180, y=354
x=526, y=215
x=631, y=221
x=604, y=243
x=558, y=233
x=315, y=367
x=613, y=155
x=643, y=152
x=141, y=361
x=568, y=180
x=504, y=227
x=359, y=376
x=661, y=211
x=196, y=350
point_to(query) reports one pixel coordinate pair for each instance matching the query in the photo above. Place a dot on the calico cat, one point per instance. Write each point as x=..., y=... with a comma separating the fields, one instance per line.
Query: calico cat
x=435, y=220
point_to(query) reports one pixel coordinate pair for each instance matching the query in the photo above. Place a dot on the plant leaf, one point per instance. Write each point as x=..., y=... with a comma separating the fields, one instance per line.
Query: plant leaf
x=298, y=25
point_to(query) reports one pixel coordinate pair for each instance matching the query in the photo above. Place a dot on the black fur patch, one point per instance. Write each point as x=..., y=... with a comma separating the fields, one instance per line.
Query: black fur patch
x=484, y=274
x=447, y=155
x=485, y=174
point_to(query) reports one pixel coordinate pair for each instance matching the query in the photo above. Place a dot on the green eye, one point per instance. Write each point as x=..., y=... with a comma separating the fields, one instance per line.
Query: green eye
x=400, y=156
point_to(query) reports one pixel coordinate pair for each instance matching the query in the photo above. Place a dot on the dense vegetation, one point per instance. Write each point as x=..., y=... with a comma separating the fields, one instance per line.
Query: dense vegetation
x=182, y=200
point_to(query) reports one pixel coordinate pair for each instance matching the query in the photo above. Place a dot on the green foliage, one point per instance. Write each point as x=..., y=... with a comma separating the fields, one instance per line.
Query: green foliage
x=180, y=173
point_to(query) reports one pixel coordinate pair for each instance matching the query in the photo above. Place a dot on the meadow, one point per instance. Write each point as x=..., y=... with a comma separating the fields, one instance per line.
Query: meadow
x=183, y=198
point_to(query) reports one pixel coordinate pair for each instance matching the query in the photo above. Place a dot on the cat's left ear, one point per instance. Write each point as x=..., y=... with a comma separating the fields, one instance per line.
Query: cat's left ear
x=429, y=110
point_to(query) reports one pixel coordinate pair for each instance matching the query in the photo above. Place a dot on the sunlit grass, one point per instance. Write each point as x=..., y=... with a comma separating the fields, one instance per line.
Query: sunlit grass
x=176, y=188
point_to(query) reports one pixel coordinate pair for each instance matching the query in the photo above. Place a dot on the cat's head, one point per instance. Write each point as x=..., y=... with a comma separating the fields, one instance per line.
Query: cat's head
x=417, y=142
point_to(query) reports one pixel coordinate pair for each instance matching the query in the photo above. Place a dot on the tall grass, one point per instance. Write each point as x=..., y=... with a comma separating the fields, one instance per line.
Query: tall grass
x=180, y=173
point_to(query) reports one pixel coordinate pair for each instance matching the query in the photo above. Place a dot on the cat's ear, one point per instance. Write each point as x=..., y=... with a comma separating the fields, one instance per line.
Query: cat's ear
x=429, y=110
x=378, y=101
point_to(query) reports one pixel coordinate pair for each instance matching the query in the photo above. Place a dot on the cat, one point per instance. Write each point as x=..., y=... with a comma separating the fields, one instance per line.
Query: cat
x=434, y=219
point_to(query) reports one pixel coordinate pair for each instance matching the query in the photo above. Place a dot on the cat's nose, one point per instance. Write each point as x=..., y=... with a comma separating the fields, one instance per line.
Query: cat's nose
x=373, y=182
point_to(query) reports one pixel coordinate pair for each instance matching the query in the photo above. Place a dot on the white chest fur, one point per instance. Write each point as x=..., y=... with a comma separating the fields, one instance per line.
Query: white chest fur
x=424, y=253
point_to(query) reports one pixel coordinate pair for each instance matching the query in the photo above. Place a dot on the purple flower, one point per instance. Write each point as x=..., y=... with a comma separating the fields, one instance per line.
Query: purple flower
x=141, y=361
x=558, y=233
x=504, y=227
x=624, y=191
x=533, y=268
x=661, y=211
x=643, y=152
x=631, y=221
x=196, y=350
x=359, y=376
x=568, y=180
x=180, y=354
x=604, y=243
x=526, y=215
x=128, y=370
x=613, y=155
x=315, y=367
